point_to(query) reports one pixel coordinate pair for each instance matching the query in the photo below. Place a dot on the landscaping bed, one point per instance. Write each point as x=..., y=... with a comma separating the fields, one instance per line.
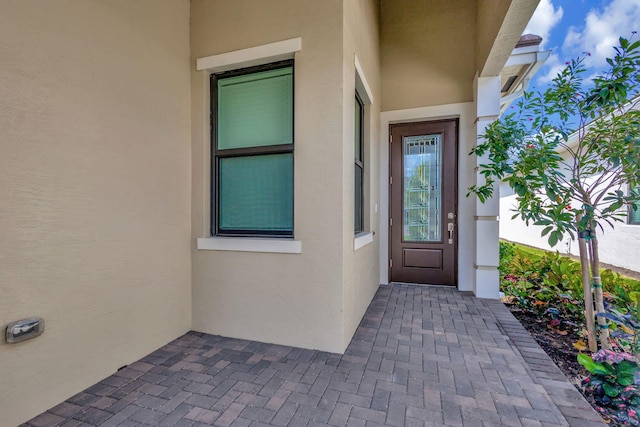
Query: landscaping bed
x=544, y=292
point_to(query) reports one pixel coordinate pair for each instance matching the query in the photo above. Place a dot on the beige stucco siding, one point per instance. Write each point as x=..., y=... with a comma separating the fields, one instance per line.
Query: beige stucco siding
x=499, y=24
x=293, y=299
x=427, y=52
x=361, y=278
x=488, y=14
x=94, y=190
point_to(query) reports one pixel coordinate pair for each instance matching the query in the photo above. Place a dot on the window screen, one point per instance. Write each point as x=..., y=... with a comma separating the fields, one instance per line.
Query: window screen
x=252, y=134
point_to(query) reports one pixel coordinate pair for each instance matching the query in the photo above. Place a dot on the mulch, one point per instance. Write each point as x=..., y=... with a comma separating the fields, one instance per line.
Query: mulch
x=558, y=344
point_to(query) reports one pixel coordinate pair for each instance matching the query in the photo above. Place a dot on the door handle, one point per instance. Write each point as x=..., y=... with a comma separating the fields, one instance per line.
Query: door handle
x=450, y=228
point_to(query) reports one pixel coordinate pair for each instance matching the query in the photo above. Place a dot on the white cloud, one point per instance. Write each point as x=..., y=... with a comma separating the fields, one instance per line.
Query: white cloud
x=601, y=31
x=543, y=20
x=553, y=65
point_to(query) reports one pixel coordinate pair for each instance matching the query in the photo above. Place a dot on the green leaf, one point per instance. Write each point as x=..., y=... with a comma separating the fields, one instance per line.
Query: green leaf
x=587, y=362
x=554, y=237
x=626, y=379
x=610, y=390
x=627, y=367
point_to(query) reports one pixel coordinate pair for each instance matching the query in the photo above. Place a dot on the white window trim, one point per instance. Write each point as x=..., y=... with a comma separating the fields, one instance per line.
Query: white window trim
x=243, y=58
x=244, y=244
x=361, y=84
x=364, y=91
x=249, y=57
x=362, y=239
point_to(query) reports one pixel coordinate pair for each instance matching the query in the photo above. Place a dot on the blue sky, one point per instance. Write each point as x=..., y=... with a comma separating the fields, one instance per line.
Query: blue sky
x=571, y=27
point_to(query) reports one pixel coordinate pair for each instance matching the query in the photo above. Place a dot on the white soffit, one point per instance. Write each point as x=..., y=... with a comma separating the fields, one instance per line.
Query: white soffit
x=258, y=55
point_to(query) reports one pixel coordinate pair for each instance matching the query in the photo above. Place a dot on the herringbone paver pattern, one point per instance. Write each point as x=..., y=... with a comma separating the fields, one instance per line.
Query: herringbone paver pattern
x=422, y=356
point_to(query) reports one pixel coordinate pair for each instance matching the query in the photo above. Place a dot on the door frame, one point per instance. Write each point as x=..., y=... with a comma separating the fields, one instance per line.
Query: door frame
x=456, y=122
x=465, y=113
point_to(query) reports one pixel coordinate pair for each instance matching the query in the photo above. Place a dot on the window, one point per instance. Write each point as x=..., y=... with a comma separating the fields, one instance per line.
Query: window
x=634, y=215
x=252, y=146
x=359, y=165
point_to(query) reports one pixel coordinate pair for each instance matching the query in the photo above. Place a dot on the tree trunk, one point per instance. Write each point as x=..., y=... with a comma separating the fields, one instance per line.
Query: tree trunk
x=597, y=290
x=588, y=293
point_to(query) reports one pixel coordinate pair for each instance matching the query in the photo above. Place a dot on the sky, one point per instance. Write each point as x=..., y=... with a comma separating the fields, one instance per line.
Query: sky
x=572, y=28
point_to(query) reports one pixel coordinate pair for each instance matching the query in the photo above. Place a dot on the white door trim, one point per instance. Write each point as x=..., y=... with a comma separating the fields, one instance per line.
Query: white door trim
x=466, y=206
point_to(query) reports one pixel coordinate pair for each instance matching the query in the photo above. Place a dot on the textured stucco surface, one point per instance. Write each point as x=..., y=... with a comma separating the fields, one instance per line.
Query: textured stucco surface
x=293, y=299
x=105, y=174
x=500, y=23
x=94, y=190
x=361, y=278
x=427, y=52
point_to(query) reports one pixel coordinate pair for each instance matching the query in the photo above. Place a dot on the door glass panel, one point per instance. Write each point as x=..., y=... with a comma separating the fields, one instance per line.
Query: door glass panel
x=422, y=157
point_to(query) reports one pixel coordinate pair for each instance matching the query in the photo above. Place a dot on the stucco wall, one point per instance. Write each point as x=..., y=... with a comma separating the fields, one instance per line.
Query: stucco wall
x=293, y=299
x=361, y=278
x=424, y=65
x=94, y=190
x=499, y=25
x=488, y=27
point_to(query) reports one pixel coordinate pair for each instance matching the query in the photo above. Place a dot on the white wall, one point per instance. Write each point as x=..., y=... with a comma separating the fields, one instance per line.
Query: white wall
x=94, y=190
x=617, y=246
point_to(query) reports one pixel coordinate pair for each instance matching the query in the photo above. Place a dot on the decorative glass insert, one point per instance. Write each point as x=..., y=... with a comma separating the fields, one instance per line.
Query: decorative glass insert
x=422, y=160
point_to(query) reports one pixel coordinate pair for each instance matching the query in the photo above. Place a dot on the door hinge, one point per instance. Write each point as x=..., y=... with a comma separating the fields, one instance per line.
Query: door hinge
x=390, y=263
x=390, y=180
x=390, y=139
x=390, y=222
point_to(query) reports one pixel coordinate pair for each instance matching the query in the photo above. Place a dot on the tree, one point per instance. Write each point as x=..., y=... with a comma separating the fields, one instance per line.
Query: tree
x=595, y=124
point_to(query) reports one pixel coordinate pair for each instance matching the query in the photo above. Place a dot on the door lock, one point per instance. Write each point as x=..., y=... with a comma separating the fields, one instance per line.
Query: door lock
x=450, y=228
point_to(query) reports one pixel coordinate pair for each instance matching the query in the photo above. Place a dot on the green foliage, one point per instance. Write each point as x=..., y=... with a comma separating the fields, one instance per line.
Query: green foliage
x=542, y=282
x=612, y=382
x=549, y=285
x=603, y=155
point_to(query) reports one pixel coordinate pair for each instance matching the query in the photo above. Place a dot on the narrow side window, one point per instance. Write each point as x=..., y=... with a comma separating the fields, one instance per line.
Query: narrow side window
x=359, y=165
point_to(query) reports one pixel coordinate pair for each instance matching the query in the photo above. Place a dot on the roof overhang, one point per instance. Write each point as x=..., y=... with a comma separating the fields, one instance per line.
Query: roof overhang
x=523, y=63
x=517, y=14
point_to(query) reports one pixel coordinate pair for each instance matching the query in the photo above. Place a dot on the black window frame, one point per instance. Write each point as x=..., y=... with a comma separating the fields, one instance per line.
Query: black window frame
x=217, y=154
x=358, y=222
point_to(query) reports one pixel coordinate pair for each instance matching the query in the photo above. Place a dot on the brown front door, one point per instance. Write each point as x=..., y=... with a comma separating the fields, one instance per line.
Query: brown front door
x=423, y=193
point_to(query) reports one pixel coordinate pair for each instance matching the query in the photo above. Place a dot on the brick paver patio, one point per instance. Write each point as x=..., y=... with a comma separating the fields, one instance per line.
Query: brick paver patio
x=422, y=356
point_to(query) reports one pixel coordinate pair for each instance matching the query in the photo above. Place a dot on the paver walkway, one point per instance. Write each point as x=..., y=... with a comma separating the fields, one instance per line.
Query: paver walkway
x=422, y=356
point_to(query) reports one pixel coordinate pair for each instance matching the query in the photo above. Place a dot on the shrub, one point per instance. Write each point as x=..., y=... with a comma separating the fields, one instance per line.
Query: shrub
x=549, y=285
x=612, y=383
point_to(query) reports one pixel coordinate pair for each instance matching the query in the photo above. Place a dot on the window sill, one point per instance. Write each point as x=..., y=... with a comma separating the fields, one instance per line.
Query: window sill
x=242, y=244
x=362, y=239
